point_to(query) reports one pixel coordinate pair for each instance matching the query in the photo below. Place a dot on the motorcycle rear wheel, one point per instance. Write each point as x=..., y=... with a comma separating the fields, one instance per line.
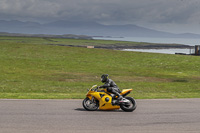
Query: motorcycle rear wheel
x=129, y=107
x=89, y=105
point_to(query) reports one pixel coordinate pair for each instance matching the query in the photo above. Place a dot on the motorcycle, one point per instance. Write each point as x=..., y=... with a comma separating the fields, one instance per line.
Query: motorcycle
x=103, y=100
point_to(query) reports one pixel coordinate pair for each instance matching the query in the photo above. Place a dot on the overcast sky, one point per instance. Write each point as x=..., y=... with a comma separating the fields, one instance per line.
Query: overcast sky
x=175, y=16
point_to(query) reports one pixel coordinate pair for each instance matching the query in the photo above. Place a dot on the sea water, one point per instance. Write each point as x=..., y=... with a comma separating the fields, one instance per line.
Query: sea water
x=185, y=41
x=163, y=51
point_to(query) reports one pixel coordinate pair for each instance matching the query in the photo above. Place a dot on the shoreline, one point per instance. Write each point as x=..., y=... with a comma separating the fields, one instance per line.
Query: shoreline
x=139, y=46
x=156, y=46
x=116, y=45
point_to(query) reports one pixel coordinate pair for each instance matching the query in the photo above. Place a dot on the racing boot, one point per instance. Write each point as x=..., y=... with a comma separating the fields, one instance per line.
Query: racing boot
x=119, y=97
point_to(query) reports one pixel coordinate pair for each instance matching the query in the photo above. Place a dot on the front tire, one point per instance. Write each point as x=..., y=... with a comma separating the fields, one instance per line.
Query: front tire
x=129, y=107
x=89, y=105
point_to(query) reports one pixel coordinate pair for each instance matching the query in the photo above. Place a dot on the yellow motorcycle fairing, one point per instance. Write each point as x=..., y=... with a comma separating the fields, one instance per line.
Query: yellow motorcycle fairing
x=108, y=105
x=124, y=91
x=105, y=103
x=105, y=100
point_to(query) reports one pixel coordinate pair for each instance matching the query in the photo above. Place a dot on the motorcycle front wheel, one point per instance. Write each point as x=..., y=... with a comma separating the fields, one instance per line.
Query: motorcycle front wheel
x=130, y=106
x=90, y=105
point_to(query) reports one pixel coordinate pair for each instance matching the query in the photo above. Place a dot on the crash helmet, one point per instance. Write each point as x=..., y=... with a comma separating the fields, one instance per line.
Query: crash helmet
x=104, y=78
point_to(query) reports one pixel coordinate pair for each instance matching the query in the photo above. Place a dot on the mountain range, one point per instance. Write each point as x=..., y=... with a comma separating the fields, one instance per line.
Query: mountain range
x=86, y=28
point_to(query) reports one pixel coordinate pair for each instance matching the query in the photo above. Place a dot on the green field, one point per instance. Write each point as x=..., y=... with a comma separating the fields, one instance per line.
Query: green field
x=31, y=69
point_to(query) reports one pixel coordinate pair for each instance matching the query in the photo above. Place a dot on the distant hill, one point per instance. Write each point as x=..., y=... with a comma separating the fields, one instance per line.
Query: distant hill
x=85, y=28
x=69, y=36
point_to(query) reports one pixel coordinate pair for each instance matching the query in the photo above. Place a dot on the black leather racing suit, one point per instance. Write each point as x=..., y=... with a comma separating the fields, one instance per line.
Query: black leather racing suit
x=111, y=87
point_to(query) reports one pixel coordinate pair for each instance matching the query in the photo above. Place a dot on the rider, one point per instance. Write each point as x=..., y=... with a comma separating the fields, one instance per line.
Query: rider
x=110, y=85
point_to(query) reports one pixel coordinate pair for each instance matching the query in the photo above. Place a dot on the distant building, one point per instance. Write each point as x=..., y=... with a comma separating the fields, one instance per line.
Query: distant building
x=90, y=46
x=197, y=50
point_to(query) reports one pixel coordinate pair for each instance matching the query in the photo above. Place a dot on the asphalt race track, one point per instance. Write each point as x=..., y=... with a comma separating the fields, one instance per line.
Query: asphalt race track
x=68, y=116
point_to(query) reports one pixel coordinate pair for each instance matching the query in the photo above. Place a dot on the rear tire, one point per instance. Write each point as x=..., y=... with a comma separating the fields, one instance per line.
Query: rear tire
x=129, y=107
x=89, y=105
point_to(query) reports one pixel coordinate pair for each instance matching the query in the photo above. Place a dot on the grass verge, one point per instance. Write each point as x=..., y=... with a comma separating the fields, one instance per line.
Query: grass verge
x=31, y=70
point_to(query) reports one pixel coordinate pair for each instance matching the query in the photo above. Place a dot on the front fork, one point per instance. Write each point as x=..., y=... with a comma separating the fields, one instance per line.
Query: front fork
x=92, y=100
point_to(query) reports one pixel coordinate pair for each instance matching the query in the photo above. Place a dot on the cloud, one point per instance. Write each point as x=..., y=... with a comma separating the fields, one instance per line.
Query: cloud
x=105, y=11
